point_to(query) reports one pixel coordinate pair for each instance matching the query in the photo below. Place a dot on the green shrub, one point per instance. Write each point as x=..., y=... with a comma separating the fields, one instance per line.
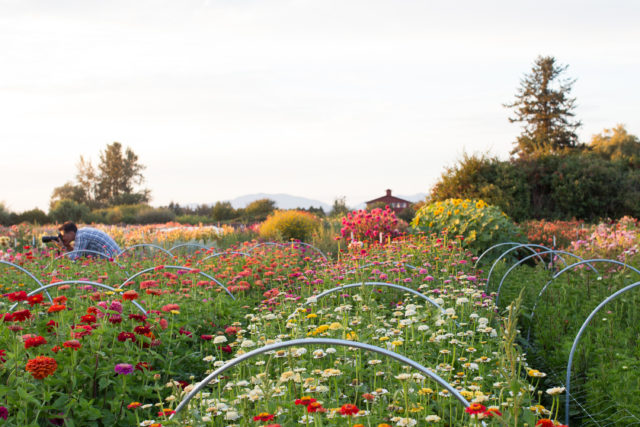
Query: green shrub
x=33, y=216
x=287, y=225
x=480, y=225
x=194, y=219
x=155, y=216
x=68, y=210
x=5, y=215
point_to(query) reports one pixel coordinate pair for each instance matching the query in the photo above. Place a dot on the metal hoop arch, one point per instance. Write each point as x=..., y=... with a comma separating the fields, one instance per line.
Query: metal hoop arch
x=176, y=267
x=76, y=282
x=28, y=273
x=579, y=335
x=411, y=267
x=107, y=256
x=288, y=244
x=502, y=255
x=317, y=341
x=145, y=245
x=217, y=254
x=496, y=246
x=356, y=285
x=188, y=244
x=567, y=268
x=531, y=256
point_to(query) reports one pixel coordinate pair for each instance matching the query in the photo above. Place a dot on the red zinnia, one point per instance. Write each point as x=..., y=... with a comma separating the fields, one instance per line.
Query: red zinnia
x=545, y=422
x=17, y=296
x=264, y=416
x=123, y=336
x=74, y=344
x=305, y=400
x=20, y=316
x=349, y=409
x=88, y=318
x=491, y=412
x=130, y=295
x=34, y=341
x=141, y=330
x=315, y=407
x=475, y=408
x=60, y=300
x=35, y=299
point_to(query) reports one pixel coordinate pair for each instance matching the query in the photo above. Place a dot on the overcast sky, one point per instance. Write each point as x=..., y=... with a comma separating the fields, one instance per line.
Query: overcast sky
x=315, y=98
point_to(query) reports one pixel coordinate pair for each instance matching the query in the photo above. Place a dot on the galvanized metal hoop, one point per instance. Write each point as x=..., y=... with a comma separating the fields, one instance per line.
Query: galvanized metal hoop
x=145, y=245
x=188, y=244
x=529, y=257
x=77, y=282
x=320, y=341
x=288, y=244
x=177, y=267
x=579, y=335
x=496, y=246
x=28, y=273
x=505, y=253
x=403, y=264
x=567, y=268
x=217, y=254
x=357, y=285
x=102, y=254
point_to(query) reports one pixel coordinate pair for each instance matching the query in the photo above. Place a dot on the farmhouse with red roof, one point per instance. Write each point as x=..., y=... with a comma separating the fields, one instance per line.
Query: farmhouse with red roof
x=396, y=204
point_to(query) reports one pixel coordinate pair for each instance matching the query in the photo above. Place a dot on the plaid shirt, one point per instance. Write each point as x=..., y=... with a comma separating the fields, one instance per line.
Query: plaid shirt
x=94, y=240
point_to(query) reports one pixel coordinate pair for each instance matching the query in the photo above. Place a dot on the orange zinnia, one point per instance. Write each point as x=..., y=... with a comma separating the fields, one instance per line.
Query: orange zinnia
x=56, y=307
x=41, y=367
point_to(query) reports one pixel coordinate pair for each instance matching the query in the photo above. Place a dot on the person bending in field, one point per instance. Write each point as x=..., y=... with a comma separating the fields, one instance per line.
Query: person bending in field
x=87, y=238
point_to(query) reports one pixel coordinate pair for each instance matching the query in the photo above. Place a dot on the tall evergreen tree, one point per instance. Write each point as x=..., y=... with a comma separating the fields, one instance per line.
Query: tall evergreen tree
x=544, y=106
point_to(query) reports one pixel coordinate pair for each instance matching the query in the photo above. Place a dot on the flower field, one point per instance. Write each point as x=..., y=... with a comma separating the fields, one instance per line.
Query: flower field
x=130, y=352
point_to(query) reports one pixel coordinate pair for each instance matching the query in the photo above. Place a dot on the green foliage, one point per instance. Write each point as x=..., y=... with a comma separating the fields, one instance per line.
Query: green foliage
x=5, y=215
x=223, y=211
x=544, y=106
x=127, y=214
x=193, y=219
x=68, y=210
x=287, y=225
x=68, y=191
x=339, y=208
x=480, y=225
x=580, y=185
x=618, y=145
x=151, y=215
x=258, y=210
x=482, y=177
x=33, y=216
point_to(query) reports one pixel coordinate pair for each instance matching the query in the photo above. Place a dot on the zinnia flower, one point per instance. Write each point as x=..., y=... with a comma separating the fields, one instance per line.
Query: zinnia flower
x=20, y=316
x=74, y=344
x=34, y=341
x=263, y=416
x=130, y=295
x=349, y=409
x=123, y=368
x=305, y=400
x=4, y=412
x=475, y=408
x=41, y=367
x=56, y=308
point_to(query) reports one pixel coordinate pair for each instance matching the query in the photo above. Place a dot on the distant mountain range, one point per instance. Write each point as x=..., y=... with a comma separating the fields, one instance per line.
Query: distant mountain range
x=287, y=201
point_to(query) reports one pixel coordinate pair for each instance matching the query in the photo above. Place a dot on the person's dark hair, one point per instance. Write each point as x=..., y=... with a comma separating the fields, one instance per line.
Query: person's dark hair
x=68, y=226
